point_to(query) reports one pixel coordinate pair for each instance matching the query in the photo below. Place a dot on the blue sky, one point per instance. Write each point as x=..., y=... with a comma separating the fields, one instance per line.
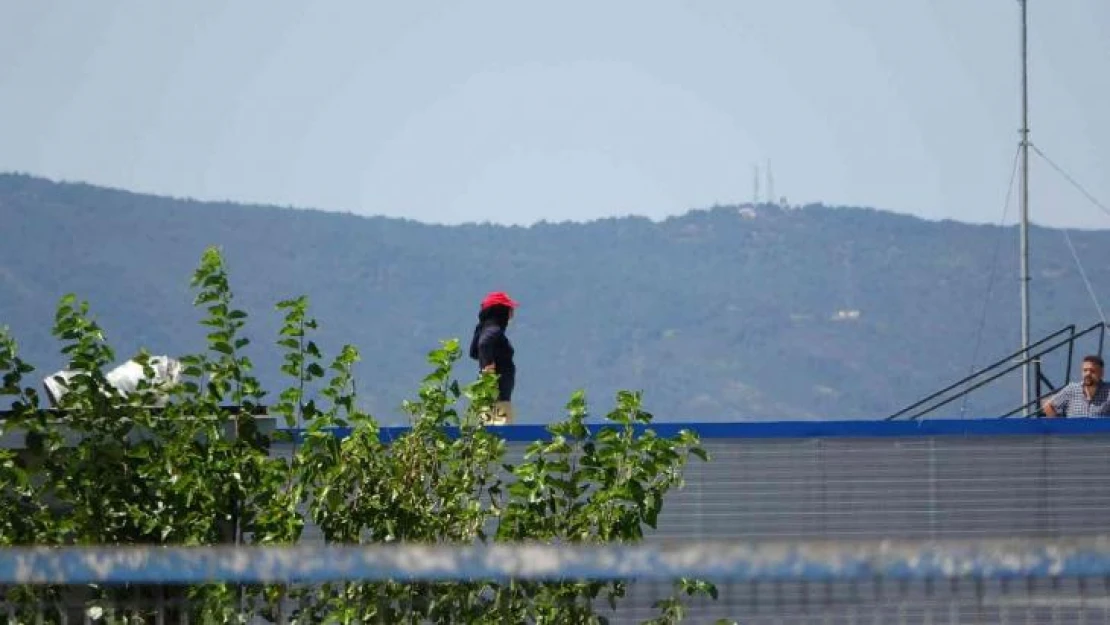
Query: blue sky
x=514, y=112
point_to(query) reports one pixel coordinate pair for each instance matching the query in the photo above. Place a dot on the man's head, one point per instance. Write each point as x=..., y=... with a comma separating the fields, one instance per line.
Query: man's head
x=498, y=298
x=1092, y=370
x=499, y=306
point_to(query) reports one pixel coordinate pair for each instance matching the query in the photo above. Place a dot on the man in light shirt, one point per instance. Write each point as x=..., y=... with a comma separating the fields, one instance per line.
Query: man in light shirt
x=1089, y=398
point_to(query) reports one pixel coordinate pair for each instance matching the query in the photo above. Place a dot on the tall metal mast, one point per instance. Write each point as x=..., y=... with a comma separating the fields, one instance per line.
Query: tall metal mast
x=1026, y=381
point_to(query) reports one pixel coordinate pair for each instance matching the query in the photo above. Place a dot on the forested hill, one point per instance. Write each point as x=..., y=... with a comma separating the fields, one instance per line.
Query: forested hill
x=730, y=313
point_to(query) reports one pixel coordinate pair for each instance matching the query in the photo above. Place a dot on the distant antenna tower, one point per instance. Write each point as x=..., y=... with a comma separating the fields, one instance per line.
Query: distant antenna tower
x=755, y=185
x=770, y=184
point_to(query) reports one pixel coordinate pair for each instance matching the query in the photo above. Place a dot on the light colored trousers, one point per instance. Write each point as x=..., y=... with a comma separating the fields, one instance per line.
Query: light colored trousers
x=502, y=414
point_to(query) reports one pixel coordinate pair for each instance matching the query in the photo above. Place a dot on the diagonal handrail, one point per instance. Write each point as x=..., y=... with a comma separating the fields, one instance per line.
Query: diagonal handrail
x=1069, y=328
x=1033, y=355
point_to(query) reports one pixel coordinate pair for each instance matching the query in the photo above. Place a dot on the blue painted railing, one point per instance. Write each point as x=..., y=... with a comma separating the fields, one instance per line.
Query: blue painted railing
x=733, y=561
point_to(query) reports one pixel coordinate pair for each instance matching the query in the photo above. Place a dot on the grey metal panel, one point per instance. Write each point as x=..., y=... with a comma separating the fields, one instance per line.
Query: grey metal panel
x=915, y=487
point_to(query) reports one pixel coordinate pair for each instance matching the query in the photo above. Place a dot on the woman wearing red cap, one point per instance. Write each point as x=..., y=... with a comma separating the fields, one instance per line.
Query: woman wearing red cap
x=494, y=353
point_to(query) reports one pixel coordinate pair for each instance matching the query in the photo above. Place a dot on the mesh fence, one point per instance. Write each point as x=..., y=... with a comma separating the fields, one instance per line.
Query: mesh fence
x=970, y=581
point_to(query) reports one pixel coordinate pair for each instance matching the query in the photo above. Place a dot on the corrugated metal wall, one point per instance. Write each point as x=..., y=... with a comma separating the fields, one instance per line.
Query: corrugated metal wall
x=868, y=481
x=923, y=487
x=855, y=485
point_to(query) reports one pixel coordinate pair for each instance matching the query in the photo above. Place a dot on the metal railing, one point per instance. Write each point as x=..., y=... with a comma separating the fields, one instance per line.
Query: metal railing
x=989, y=580
x=1065, y=337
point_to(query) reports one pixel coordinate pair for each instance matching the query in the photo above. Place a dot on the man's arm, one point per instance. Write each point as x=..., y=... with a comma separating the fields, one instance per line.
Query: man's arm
x=486, y=351
x=1056, y=405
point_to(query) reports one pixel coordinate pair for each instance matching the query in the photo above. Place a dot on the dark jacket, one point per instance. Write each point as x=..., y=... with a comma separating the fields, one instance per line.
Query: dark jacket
x=491, y=346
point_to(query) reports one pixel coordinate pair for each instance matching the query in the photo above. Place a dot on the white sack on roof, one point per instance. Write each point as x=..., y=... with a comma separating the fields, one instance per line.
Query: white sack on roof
x=125, y=378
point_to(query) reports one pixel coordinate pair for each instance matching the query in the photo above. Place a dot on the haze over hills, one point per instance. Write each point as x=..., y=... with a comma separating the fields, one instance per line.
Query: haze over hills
x=723, y=314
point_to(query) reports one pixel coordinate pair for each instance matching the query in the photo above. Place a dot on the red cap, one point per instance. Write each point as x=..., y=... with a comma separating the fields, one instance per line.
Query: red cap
x=498, y=298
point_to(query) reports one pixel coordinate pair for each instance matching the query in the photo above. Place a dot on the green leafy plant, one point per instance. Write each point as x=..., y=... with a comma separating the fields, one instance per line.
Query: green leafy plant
x=111, y=469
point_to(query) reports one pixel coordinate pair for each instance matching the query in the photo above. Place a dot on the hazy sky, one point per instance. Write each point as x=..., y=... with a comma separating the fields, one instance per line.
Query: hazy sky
x=519, y=111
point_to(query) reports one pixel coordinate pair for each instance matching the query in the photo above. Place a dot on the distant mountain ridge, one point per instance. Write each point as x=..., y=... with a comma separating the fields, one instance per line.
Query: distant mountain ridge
x=724, y=314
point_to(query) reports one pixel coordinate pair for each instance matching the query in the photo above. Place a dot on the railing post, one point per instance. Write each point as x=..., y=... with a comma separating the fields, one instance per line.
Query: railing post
x=1071, y=356
x=1037, y=377
x=1101, y=338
